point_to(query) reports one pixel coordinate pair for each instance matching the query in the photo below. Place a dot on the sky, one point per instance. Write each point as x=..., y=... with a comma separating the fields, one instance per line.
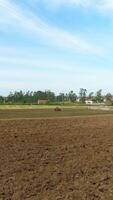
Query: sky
x=57, y=45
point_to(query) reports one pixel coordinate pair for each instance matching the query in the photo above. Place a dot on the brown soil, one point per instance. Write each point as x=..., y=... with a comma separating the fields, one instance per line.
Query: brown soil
x=57, y=159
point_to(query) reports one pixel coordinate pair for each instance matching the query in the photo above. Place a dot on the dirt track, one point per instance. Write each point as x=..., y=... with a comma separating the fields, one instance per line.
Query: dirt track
x=57, y=159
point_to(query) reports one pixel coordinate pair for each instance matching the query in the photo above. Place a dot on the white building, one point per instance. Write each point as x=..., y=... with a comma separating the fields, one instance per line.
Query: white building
x=89, y=102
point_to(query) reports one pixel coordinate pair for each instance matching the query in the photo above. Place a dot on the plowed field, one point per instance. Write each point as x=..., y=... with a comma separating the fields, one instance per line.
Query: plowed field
x=57, y=159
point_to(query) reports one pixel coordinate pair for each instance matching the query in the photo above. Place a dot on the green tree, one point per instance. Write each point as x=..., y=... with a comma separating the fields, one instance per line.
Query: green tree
x=1, y=100
x=82, y=95
x=98, y=96
x=108, y=98
x=90, y=95
x=72, y=96
x=50, y=96
x=61, y=97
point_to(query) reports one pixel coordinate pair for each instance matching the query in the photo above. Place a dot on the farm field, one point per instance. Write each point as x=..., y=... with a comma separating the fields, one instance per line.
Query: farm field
x=49, y=112
x=56, y=158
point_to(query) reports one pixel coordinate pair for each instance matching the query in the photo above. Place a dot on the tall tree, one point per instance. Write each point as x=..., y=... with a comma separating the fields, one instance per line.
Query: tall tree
x=90, y=95
x=50, y=96
x=82, y=95
x=72, y=96
x=98, y=96
x=61, y=97
x=108, y=97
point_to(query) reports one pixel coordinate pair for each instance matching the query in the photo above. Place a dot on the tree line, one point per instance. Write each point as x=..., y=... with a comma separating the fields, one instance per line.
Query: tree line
x=32, y=97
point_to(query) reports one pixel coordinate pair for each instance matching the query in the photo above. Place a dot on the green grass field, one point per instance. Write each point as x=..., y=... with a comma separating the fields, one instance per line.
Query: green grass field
x=39, y=106
x=45, y=112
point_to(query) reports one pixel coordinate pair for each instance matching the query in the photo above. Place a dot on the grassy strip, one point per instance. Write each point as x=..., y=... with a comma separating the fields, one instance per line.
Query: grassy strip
x=39, y=107
x=45, y=113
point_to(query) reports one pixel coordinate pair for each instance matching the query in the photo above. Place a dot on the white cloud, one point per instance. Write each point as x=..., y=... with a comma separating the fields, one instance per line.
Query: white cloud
x=95, y=4
x=40, y=63
x=27, y=22
x=13, y=63
x=93, y=80
x=57, y=3
x=105, y=5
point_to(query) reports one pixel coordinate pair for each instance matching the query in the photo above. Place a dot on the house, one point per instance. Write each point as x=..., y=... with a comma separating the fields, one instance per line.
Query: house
x=42, y=102
x=78, y=99
x=89, y=102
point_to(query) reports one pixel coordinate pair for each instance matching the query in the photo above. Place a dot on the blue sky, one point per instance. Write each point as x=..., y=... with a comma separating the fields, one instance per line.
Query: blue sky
x=59, y=45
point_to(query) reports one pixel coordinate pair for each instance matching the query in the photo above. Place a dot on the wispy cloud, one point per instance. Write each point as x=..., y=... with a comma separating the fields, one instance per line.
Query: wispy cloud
x=17, y=16
x=57, y=3
x=105, y=5
x=94, y=79
x=12, y=59
x=95, y=4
